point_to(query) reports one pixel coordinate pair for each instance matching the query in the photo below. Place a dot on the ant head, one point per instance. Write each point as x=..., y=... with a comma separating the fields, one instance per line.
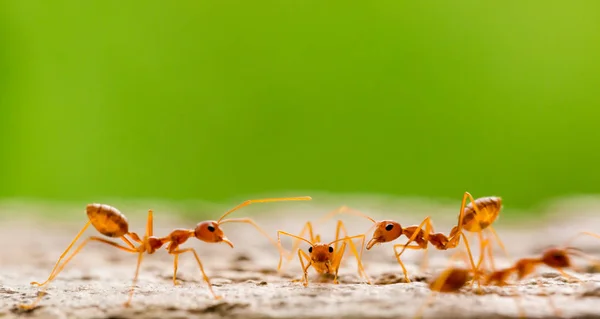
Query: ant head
x=321, y=252
x=385, y=231
x=210, y=232
x=556, y=258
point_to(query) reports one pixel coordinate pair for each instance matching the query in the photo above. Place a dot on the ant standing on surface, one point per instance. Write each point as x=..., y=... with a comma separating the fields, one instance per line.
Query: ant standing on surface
x=476, y=216
x=323, y=257
x=453, y=279
x=112, y=223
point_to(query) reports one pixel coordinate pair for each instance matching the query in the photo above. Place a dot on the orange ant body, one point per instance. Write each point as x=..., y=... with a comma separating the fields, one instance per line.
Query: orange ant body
x=112, y=223
x=453, y=279
x=477, y=215
x=323, y=257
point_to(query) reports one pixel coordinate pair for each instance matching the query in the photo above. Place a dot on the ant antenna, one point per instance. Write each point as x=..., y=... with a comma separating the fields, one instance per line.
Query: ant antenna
x=346, y=210
x=265, y=200
x=292, y=235
x=347, y=238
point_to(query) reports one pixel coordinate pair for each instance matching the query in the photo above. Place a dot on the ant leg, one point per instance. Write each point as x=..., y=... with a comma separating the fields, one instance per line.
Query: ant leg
x=477, y=274
x=175, y=261
x=361, y=270
x=204, y=276
x=302, y=254
x=425, y=221
x=307, y=226
x=135, y=277
x=475, y=268
x=483, y=251
x=150, y=224
x=500, y=243
x=478, y=212
x=62, y=266
x=337, y=260
x=428, y=230
x=63, y=255
x=404, y=246
x=135, y=237
x=567, y=276
x=127, y=242
x=149, y=232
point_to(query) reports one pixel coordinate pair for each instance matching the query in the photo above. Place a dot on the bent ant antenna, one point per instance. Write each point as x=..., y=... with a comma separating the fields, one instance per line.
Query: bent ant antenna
x=112, y=223
x=323, y=257
x=474, y=216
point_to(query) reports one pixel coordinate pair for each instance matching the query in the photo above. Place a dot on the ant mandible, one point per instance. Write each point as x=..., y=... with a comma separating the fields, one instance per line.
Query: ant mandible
x=475, y=216
x=110, y=222
x=324, y=258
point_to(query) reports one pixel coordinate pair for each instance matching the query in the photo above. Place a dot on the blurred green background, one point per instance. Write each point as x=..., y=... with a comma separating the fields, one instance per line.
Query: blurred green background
x=217, y=100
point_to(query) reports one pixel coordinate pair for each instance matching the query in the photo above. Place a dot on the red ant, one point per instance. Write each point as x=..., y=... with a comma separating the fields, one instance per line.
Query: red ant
x=324, y=258
x=453, y=279
x=110, y=222
x=476, y=216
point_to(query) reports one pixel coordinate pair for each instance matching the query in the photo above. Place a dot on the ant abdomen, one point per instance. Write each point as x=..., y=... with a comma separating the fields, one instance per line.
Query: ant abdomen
x=489, y=208
x=108, y=220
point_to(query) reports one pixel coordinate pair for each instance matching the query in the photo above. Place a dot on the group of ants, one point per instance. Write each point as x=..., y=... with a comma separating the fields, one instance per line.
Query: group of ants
x=475, y=216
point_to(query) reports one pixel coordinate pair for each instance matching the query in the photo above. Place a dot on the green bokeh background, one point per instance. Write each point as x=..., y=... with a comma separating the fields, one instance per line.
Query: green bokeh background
x=216, y=100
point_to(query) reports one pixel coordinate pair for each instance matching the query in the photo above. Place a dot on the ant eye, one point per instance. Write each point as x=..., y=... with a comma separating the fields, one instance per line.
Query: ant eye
x=330, y=249
x=310, y=249
x=211, y=228
x=558, y=256
x=389, y=227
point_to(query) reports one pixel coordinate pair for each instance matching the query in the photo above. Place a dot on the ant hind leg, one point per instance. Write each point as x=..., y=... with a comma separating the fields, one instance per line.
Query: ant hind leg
x=60, y=268
x=63, y=256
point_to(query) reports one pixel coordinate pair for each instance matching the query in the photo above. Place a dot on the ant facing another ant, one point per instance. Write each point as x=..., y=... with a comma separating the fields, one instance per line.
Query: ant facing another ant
x=110, y=222
x=476, y=216
x=323, y=257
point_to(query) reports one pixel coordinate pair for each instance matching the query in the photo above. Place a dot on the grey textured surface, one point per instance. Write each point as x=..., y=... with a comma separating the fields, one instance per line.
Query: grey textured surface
x=95, y=285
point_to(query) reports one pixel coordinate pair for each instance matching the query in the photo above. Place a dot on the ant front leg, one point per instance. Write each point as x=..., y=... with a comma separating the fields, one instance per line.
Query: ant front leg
x=397, y=255
x=342, y=228
x=302, y=254
x=204, y=276
x=296, y=243
x=337, y=260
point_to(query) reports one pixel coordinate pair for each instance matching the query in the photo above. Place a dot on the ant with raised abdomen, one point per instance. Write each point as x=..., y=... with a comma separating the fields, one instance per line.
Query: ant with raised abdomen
x=110, y=222
x=477, y=215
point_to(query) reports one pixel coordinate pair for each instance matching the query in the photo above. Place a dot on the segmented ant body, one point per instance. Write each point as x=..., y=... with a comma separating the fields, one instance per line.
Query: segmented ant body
x=453, y=279
x=475, y=216
x=323, y=257
x=112, y=223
